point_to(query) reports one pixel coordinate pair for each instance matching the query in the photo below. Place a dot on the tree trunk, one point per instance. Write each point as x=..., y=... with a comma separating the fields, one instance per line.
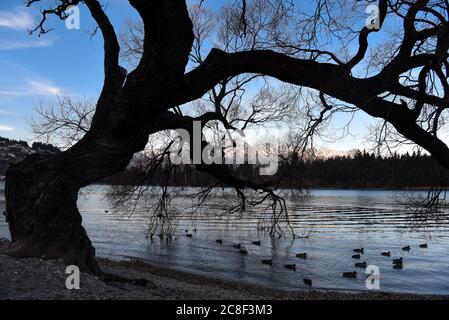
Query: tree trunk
x=43, y=217
x=42, y=191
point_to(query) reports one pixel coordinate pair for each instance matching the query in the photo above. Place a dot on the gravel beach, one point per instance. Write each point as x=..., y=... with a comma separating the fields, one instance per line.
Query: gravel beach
x=45, y=280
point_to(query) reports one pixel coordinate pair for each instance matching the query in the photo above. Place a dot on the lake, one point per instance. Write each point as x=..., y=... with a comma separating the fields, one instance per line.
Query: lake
x=336, y=221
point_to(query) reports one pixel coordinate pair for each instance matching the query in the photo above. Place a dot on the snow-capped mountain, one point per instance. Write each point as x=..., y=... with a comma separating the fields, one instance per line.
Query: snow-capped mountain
x=326, y=153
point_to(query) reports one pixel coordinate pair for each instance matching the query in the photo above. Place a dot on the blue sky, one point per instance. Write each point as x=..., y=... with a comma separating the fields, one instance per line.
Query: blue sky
x=36, y=69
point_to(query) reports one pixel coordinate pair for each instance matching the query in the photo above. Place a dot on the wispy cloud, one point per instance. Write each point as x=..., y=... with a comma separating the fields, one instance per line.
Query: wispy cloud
x=33, y=88
x=5, y=128
x=17, y=19
x=14, y=44
x=42, y=88
x=9, y=113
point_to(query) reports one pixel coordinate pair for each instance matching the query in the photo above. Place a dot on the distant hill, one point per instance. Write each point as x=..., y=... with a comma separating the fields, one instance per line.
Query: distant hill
x=14, y=151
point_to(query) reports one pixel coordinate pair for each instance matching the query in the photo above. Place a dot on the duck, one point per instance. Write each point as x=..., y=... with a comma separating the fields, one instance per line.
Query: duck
x=106, y=211
x=194, y=230
x=301, y=255
x=350, y=274
x=398, y=266
x=219, y=241
x=236, y=246
x=243, y=250
x=397, y=261
x=407, y=248
x=307, y=281
x=356, y=256
x=361, y=250
x=290, y=266
x=268, y=262
x=256, y=243
x=189, y=235
x=424, y=245
x=386, y=254
x=361, y=265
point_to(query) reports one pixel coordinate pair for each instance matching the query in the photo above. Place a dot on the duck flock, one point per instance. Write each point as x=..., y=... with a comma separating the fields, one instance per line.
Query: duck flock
x=357, y=254
x=397, y=263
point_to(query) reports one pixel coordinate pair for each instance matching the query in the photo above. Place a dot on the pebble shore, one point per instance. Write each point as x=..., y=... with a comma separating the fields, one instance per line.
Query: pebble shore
x=35, y=279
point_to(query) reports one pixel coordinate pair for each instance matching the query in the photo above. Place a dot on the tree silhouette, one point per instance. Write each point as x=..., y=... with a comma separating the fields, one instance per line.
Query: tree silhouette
x=405, y=85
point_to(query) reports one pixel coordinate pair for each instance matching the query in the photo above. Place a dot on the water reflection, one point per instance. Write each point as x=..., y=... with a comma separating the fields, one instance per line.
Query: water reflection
x=338, y=221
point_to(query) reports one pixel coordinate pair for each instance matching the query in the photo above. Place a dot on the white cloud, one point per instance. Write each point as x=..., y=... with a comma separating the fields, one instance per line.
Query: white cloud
x=33, y=88
x=9, y=113
x=5, y=128
x=16, y=20
x=42, y=88
x=14, y=45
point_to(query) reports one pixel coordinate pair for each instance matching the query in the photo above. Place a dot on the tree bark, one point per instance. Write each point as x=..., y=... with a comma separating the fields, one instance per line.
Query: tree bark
x=43, y=217
x=42, y=191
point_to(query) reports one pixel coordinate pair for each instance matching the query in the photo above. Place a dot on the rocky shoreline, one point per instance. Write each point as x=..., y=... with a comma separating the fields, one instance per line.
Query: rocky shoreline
x=23, y=279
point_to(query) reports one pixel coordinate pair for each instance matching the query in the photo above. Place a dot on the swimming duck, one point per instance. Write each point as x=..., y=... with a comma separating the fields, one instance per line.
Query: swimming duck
x=407, y=248
x=356, y=256
x=307, y=281
x=301, y=255
x=361, y=250
x=268, y=261
x=219, y=241
x=290, y=266
x=350, y=274
x=386, y=254
x=256, y=243
x=397, y=261
x=361, y=265
x=106, y=211
x=189, y=235
x=398, y=266
x=424, y=245
x=243, y=251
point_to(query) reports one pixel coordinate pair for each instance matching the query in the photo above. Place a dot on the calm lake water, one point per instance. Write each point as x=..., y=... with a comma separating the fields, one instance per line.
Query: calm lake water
x=336, y=220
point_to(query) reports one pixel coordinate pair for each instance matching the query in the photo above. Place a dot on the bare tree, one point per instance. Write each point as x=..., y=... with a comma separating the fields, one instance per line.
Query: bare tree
x=312, y=50
x=63, y=123
x=227, y=106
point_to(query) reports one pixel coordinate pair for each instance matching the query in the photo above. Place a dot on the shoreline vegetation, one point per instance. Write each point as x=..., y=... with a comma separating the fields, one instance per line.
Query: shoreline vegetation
x=379, y=188
x=45, y=280
x=360, y=170
x=354, y=169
